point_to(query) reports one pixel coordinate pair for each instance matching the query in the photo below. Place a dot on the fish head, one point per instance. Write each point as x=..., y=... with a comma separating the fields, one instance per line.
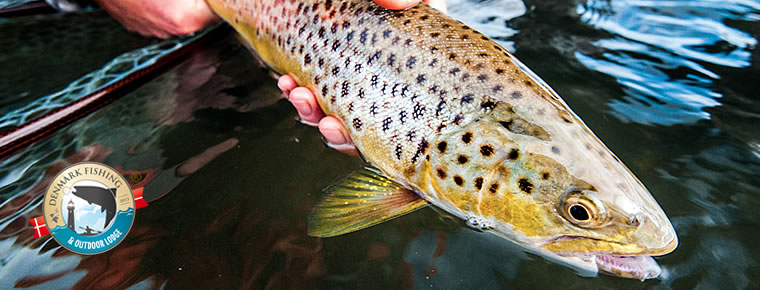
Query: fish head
x=555, y=198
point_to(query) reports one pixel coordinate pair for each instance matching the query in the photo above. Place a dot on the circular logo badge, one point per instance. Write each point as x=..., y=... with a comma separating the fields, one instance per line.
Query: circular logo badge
x=89, y=208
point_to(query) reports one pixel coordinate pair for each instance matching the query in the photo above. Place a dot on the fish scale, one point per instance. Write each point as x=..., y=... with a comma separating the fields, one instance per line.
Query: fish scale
x=447, y=114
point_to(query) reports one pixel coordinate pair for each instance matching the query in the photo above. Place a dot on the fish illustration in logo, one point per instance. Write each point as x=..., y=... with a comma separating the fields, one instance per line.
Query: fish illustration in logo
x=103, y=197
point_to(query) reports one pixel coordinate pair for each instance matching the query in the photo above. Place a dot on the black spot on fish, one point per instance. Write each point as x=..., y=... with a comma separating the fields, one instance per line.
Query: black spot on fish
x=334, y=27
x=373, y=81
x=555, y=150
x=499, y=71
x=374, y=57
x=440, y=127
x=419, y=111
x=434, y=89
x=321, y=32
x=408, y=42
x=442, y=146
x=398, y=151
x=387, y=33
x=317, y=80
x=374, y=38
x=358, y=67
x=307, y=59
x=458, y=119
x=435, y=34
x=496, y=89
x=404, y=90
x=324, y=91
x=433, y=62
x=462, y=159
x=516, y=95
x=420, y=79
x=525, y=185
x=465, y=76
x=441, y=173
x=387, y=123
x=346, y=24
x=440, y=108
x=486, y=150
x=357, y=124
x=321, y=62
x=361, y=93
x=344, y=89
x=545, y=175
x=410, y=135
x=493, y=188
x=411, y=61
x=452, y=56
x=392, y=59
x=478, y=183
x=466, y=99
x=421, y=148
x=349, y=36
x=458, y=180
x=467, y=137
x=301, y=30
x=363, y=36
x=402, y=117
x=513, y=154
x=424, y=17
x=348, y=61
x=528, y=83
x=407, y=22
x=335, y=45
x=483, y=54
x=454, y=71
x=373, y=109
x=487, y=105
x=335, y=70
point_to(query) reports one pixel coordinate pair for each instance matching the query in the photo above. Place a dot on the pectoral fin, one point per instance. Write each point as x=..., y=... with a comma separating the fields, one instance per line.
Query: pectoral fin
x=364, y=199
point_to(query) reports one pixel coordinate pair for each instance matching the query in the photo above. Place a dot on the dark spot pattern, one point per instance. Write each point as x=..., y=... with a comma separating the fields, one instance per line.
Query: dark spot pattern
x=458, y=180
x=478, y=183
x=442, y=146
x=493, y=188
x=441, y=173
x=525, y=185
x=467, y=137
x=513, y=154
x=486, y=150
x=462, y=159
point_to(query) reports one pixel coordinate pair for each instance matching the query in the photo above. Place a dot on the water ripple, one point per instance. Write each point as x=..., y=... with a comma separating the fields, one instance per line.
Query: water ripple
x=661, y=51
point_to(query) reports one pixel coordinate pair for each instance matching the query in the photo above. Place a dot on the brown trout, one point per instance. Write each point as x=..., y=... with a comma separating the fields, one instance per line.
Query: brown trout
x=447, y=117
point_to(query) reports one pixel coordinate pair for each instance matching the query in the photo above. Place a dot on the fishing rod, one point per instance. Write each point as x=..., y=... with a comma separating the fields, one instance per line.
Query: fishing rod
x=26, y=9
x=32, y=131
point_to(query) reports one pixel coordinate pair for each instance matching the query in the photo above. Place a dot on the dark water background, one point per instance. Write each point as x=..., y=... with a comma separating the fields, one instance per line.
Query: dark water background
x=670, y=86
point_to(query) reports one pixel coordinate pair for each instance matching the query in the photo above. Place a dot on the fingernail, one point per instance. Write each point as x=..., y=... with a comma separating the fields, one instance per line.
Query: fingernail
x=302, y=106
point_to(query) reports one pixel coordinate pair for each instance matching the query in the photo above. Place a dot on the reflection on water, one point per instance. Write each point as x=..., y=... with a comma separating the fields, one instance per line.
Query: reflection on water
x=659, y=52
x=231, y=175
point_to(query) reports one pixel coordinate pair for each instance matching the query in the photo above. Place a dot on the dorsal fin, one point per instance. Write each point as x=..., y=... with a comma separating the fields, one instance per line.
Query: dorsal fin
x=363, y=199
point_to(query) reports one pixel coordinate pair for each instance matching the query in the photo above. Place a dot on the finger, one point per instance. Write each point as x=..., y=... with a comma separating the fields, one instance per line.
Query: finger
x=396, y=4
x=286, y=83
x=306, y=105
x=336, y=136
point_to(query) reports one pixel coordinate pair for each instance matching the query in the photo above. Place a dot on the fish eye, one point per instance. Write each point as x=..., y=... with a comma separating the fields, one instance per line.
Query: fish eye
x=579, y=212
x=583, y=208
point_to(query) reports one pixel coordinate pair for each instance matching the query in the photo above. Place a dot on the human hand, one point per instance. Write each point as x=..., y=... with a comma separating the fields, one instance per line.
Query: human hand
x=162, y=19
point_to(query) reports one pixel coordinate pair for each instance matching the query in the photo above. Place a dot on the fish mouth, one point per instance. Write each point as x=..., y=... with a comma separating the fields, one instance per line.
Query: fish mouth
x=640, y=266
